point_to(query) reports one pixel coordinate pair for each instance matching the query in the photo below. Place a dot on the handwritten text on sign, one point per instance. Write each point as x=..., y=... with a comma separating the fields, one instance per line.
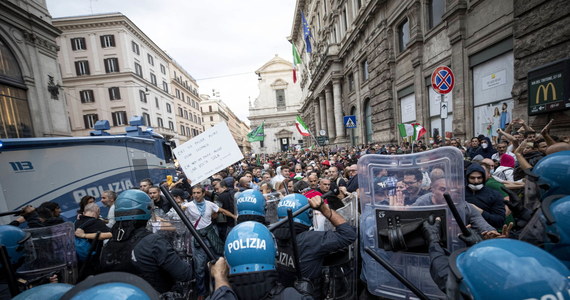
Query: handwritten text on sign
x=208, y=153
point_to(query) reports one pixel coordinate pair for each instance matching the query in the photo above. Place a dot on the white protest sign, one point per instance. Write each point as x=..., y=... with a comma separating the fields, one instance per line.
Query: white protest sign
x=208, y=153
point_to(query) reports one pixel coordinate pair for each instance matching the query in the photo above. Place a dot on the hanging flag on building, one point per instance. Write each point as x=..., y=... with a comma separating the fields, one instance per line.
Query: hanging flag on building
x=296, y=61
x=257, y=134
x=303, y=129
x=419, y=131
x=306, y=33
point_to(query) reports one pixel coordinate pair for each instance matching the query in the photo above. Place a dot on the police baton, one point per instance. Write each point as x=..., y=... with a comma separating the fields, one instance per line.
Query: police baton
x=456, y=215
x=186, y=222
x=8, y=213
x=274, y=226
x=395, y=273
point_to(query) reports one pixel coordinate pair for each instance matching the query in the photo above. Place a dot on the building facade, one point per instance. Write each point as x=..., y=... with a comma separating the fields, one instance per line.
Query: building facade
x=31, y=101
x=214, y=111
x=112, y=71
x=374, y=60
x=187, y=100
x=276, y=107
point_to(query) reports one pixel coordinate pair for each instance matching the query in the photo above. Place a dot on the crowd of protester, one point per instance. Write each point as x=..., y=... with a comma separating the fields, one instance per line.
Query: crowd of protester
x=495, y=171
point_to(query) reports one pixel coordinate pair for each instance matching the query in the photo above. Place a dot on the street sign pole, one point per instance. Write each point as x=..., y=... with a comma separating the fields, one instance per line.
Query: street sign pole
x=442, y=121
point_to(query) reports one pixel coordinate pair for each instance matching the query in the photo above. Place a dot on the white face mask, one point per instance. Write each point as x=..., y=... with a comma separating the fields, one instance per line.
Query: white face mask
x=475, y=187
x=484, y=145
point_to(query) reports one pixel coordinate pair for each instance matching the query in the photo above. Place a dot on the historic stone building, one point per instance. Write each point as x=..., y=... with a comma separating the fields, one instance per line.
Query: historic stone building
x=276, y=106
x=215, y=111
x=31, y=101
x=542, y=38
x=188, y=114
x=374, y=60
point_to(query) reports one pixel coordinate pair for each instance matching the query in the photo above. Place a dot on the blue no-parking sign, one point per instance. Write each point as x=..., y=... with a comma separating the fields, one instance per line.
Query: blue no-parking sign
x=442, y=80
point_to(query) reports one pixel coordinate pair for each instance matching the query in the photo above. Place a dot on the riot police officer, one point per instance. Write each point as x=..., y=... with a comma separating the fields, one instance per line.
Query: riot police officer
x=250, y=206
x=135, y=250
x=313, y=246
x=250, y=252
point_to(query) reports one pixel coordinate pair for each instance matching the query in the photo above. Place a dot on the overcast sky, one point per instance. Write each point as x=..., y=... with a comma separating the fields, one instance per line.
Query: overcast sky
x=209, y=38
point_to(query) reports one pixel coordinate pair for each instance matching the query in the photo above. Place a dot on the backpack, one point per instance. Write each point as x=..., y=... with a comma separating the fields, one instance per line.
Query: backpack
x=82, y=246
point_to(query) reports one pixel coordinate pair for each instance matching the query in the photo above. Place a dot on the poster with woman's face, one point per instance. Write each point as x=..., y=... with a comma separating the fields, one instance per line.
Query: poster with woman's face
x=490, y=117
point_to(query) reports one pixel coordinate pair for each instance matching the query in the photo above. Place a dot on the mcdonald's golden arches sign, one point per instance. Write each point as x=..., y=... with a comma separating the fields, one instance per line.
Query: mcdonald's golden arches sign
x=549, y=88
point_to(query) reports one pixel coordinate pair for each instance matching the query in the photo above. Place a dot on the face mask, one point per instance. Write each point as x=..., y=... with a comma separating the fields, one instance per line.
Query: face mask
x=474, y=187
x=484, y=146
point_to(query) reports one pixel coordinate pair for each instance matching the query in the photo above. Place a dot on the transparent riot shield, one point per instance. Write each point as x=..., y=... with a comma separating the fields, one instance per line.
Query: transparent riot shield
x=394, y=203
x=52, y=251
x=340, y=275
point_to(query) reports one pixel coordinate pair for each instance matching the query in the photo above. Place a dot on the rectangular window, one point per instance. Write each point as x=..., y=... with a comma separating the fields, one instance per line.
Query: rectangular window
x=177, y=92
x=168, y=108
x=182, y=130
x=186, y=114
x=146, y=118
x=364, y=67
x=280, y=97
x=165, y=86
x=436, y=11
x=156, y=102
x=211, y=118
x=119, y=118
x=403, y=35
x=82, y=67
x=111, y=65
x=136, y=48
x=138, y=70
x=142, y=95
x=180, y=112
x=345, y=19
x=159, y=122
x=170, y=125
x=86, y=96
x=89, y=120
x=210, y=108
x=114, y=93
x=153, y=79
x=150, y=59
x=107, y=41
x=350, y=82
x=78, y=44
x=162, y=69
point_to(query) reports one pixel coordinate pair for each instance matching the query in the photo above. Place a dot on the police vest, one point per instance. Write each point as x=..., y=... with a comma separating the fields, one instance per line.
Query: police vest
x=285, y=263
x=116, y=256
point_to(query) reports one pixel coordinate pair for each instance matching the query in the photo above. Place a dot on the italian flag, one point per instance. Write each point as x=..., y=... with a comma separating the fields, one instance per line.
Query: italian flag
x=303, y=129
x=296, y=61
x=414, y=130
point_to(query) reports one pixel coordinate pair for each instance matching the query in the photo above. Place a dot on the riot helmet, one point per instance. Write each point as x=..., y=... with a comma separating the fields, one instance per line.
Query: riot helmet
x=295, y=202
x=251, y=202
x=112, y=286
x=556, y=211
x=250, y=247
x=505, y=269
x=553, y=173
x=14, y=239
x=133, y=205
x=52, y=291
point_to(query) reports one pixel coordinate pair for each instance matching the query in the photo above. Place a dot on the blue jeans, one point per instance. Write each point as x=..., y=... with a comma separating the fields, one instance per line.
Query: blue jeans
x=200, y=260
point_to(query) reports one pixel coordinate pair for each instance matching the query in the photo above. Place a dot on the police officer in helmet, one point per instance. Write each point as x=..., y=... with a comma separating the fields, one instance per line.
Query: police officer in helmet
x=313, y=246
x=135, y=250
x=250, y=206
x=14, y=240
x=250, y=253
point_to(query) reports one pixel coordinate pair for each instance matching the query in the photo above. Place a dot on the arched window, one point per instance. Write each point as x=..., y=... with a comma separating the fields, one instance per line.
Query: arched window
x=368, y=131
x=15, y=117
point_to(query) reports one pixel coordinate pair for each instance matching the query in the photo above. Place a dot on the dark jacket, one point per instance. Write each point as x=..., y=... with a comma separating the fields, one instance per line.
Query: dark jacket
x=226, y=198
x=489, y=200
x=486, y=153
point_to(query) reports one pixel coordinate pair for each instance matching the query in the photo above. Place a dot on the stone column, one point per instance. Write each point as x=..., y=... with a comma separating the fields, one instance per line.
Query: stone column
x=323, y=111
x=317, y=117
x=338, y=117
x=329, y=112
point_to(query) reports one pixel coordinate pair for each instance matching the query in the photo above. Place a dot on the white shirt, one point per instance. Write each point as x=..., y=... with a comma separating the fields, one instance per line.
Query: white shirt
x=111, y=216
x=193, y=213
x=497, y=157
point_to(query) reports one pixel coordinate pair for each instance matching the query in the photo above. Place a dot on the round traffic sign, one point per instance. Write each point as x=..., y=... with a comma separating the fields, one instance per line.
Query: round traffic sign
x=442, y=80
x=322, y=132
